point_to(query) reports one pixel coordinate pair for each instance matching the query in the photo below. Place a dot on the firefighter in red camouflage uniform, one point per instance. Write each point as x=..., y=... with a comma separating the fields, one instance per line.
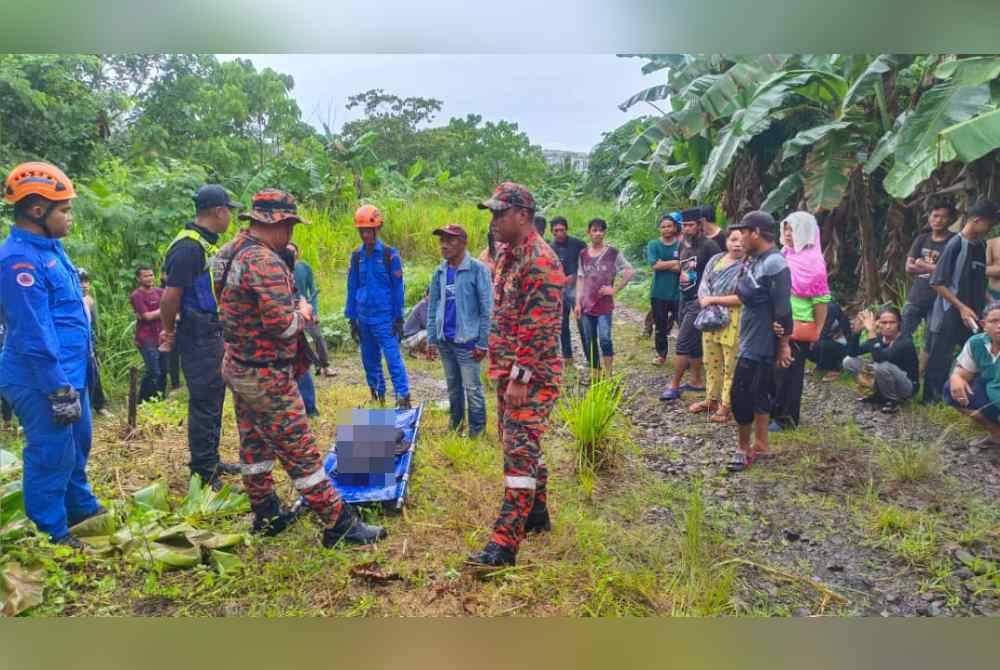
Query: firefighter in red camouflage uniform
x=262, y=328
x=525, y=361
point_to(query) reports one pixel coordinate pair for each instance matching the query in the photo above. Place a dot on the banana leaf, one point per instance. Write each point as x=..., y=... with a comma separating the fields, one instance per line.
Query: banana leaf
x=152, y=497
x=13, y=521
x=827, y=171
x=976, y=137
x=864, y=85
x=224, y=562
x=806, y=139
x=202, y=501
x=171, y=556
x=20, y=588
x=96, y=526
x=786, y=188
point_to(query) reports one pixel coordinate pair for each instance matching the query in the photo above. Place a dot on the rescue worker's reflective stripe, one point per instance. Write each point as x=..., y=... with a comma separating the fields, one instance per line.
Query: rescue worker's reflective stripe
x=309, y=481
x=293, y=328
x=256, y=468
x=519, y=482
x=206, y=246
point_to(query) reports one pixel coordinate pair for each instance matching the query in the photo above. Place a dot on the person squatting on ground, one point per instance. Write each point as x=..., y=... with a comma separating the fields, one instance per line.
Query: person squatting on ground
x=568, y=250
x=458, y=325
x=305, y=283
x=145, y=301
x=974, y=385
x=46, y=355
x=921, y=262
x=719, y=322
x=765, y=291
x=598, y=268
x=664, y=292
x=98, y=401
x=375, y=307
x=525, y=362
x=694, y=253
x=828, y=353
x=810, y=296
x=960, y=281
x=895, y=370
x=262, y=325
x=197, y=334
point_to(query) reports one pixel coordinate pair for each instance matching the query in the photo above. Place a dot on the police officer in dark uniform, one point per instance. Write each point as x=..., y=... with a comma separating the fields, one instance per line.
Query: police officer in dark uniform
x=197, y=335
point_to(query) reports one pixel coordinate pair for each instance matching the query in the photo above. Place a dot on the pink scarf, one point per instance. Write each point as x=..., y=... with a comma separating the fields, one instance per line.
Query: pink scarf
x=806, y=261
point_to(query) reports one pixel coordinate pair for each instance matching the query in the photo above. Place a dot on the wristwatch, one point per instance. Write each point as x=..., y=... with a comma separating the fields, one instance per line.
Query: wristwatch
x=519, y=374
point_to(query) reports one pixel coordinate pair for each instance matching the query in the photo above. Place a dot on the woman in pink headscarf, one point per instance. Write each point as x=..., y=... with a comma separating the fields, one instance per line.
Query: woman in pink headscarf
x=810, y=296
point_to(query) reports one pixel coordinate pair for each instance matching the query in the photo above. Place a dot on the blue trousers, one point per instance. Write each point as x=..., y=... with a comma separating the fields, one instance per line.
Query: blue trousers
x=597, y=338
x=461, y=371
x=377, y=339
x=56, y=491
x=153, y=378
x=307, y=389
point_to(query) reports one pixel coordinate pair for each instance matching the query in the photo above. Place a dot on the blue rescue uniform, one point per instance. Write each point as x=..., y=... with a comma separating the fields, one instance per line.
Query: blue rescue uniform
x=48, y=347
x=375, y=301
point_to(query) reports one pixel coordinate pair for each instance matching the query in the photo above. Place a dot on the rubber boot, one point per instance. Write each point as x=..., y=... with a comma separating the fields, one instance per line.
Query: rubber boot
x=404, y=403
x=538, y=520
x=351, y=529
x=492, y=556
x=269, y=519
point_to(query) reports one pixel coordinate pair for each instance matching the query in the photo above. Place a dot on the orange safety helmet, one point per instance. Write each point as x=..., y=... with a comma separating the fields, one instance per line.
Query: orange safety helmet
x=367, y=216
x=37, y=178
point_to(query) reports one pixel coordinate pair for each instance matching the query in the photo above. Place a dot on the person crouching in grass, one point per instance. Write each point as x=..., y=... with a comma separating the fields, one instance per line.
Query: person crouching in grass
x=974, y=386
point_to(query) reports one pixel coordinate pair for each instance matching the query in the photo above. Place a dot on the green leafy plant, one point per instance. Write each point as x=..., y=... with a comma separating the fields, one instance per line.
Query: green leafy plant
x=590, y=419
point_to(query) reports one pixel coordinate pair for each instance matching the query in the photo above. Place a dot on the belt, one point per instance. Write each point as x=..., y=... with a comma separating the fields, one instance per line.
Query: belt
x=279, y=363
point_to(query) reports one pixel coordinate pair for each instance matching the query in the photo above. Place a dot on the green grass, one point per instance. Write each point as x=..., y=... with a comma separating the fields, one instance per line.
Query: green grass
x=590, y=418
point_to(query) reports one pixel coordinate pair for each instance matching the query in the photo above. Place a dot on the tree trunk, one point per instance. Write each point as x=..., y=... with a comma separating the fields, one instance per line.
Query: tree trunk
x=894, y=249
x=869, y=288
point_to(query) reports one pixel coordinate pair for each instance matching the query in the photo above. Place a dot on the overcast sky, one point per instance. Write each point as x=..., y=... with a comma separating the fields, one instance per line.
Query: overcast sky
x=560, y=101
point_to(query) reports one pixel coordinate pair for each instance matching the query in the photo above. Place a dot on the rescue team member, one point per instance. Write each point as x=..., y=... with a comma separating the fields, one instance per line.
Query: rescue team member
x=525, y=361
x=198, y=334
x=46, y=356
x=262, y=326
x=375, y=307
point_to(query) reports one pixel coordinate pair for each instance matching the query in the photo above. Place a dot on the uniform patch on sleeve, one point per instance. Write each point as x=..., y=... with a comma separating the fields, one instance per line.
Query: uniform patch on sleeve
x=22, y=266
x=25, y=279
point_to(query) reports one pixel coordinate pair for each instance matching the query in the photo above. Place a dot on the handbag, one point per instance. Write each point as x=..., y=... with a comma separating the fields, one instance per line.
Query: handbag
x=805, y=331
x=712, y=318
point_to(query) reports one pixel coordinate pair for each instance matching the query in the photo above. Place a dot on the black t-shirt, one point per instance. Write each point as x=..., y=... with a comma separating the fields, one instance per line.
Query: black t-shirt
x=837, y=324
x=925, y=247
x=968, y=281
x=569, y=254
x=720, y=239
x=900, y=353
x=694, y=256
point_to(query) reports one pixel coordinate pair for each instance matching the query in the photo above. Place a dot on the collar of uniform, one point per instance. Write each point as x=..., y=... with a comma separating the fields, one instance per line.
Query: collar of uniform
x=210, y=237
x=376, y=248
x=23, y=235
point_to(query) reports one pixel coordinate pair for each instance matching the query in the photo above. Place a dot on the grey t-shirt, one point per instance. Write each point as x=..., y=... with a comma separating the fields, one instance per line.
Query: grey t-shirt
x=765, y=290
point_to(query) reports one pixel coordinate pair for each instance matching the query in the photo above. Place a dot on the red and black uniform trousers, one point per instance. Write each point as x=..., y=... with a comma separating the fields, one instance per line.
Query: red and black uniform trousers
x=272, y=422
x=525, y=475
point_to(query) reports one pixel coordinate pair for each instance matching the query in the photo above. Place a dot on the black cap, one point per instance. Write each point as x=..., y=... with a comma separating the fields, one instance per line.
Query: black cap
x=986, y=209
x=213, y=195
x=757, y=220
x=708, y=213
x=693, y=214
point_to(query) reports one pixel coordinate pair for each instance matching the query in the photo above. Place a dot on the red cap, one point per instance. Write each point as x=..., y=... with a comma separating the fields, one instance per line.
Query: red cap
x=452, y=229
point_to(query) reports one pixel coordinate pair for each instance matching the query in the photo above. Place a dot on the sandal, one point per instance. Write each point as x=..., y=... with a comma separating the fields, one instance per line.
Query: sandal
x=740, y=461
x=722, y=415
x=703, y=406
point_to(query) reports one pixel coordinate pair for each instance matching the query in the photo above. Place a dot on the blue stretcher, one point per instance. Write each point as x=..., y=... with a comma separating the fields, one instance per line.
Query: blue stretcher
x=390, y=488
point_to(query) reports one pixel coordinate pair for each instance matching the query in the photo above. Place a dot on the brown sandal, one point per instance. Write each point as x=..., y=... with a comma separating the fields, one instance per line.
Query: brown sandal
x=703, y=406
x=722, y=415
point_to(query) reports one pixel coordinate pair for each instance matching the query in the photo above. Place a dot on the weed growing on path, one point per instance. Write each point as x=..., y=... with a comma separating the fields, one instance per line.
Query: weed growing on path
x=589, y=418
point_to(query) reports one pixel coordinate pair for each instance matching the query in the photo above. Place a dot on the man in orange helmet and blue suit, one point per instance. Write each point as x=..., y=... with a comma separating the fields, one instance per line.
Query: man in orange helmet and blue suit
x=375, y=307
x=45, y=360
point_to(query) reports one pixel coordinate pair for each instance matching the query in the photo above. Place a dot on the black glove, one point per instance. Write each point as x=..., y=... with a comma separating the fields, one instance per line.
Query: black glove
x=66, y=407
x=397, y=329
x=355, y=335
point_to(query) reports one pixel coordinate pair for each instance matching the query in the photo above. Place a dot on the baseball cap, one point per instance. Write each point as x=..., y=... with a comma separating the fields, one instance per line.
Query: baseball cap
x=213, y=195
x=708, y=213
x=509, y=194
x=986, y=209
x=693, y=214
x=453, y=230
x=756, y=220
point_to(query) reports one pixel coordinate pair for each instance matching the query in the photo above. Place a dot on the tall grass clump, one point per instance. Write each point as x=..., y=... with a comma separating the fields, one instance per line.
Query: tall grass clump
x=590, y=418
x=699, y=586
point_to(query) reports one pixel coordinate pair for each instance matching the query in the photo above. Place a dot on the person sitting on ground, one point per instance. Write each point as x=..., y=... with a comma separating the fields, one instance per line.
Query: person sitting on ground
x=810, y=296
x=828, y=354
x=600, y=265
x=894, y=371
x=415, y=329
x=717, y=296
x=974, y=385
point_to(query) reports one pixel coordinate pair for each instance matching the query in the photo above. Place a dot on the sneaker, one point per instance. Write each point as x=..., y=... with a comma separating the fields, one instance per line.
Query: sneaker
x=670, y=394
x=873, y=399
x=890, y=407
x=70, y=541
x=492, y=556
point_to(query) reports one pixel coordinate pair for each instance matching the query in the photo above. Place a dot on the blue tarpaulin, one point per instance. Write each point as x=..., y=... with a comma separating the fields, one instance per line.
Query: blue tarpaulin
x=379, y=487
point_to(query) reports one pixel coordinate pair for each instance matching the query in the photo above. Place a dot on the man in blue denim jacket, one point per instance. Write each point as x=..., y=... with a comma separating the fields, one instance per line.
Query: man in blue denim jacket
x=45, y=361
x=458, y=324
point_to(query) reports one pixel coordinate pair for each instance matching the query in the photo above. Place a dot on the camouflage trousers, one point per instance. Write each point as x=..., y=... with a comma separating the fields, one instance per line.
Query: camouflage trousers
x=272, y=422
x=525, y=474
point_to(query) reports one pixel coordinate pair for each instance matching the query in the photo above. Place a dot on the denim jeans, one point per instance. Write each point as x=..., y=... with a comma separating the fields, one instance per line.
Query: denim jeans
x=307, y=389
x=565, y=341
x=152, y=377
x=597, y=331
x=461, y=371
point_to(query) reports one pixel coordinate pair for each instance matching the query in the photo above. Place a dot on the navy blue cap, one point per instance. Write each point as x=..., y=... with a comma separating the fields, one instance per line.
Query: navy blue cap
x=213, y=195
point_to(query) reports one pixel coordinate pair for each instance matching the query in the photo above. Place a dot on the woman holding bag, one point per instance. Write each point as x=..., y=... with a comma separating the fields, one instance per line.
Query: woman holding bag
x=810, y=296
x=719, y=321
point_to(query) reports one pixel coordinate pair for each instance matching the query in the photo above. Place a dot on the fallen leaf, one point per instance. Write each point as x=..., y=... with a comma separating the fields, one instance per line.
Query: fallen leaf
x=20, y=588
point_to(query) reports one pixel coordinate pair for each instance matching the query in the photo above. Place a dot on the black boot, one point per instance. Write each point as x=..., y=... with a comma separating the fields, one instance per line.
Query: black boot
x=350, y=528
x=538, y=520
x=269, y=519
x=70, y=541
x=492, y=556
x=404, y=403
